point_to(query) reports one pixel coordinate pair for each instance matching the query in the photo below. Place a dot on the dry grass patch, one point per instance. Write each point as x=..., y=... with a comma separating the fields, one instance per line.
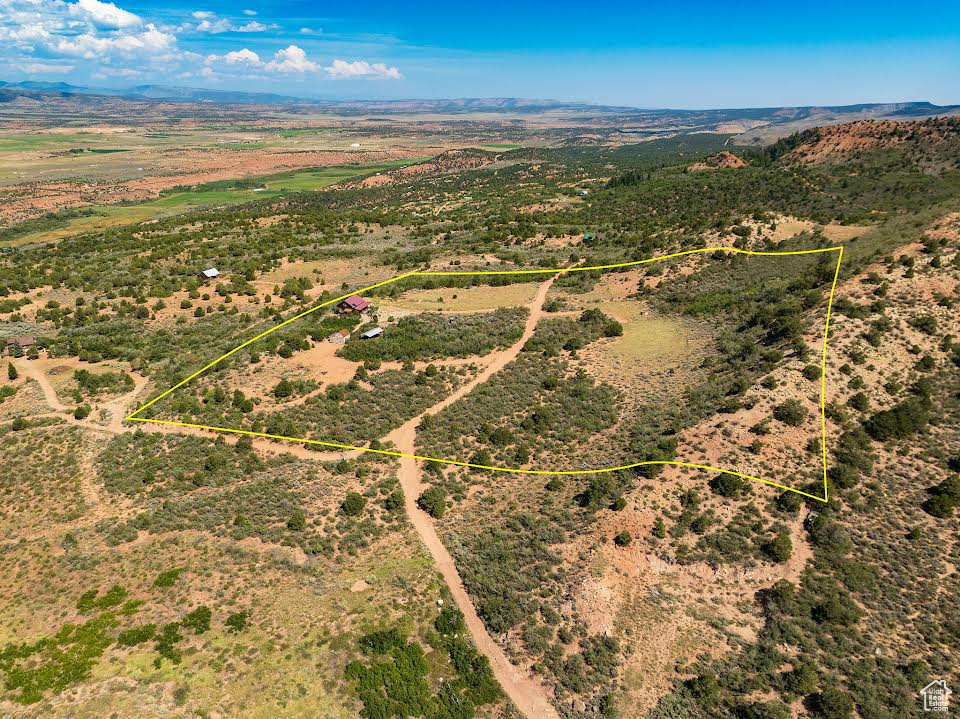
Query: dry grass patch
x=290, y=659
x=319, y=364
x=453, y=299
x=333, y=273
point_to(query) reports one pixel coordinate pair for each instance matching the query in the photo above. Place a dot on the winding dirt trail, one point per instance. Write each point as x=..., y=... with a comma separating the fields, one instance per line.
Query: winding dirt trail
x=30, y=370
x=525, y=691
x=119, y=407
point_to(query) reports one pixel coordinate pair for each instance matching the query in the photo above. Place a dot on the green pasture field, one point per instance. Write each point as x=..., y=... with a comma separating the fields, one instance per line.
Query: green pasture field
x=213, y=194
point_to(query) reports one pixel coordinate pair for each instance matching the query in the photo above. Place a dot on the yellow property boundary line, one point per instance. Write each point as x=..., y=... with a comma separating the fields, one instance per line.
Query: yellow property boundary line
x=336, y=445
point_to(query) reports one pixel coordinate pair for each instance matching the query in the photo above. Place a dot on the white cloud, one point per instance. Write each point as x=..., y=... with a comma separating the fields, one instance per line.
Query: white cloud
x=36, y=68
x=291, y=59
x=255, y=27
x=310, y=30
x=105, y=40
x=214, y=26
x=342, y=70
x=150, y=42
x=29, y=33
x=105, y=14
x=242, y=57
x=211, y=24
x=154, y=39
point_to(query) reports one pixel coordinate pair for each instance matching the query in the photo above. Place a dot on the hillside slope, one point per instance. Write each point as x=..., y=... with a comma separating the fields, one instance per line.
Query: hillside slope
x=932, y=144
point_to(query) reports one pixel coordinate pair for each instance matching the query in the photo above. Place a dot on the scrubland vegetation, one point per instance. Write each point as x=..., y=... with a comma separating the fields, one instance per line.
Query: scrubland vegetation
x=391, y=680
x=67, y=657
x=866, y=617
x=186, y=483
x=435, y=336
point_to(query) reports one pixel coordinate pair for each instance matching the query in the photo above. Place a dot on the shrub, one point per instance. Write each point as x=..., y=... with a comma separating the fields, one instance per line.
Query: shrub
x=701, y=523
x=944, y=497
x=283, y=389
x=433, y=501
x=763, y=710
x=789, y=502
x=801, y=680
x=899, y=422
x=89, y=601
x=938, y=506
x=791, y=412
x=926, y=363
x=198, y=620
x=394, y=502
x=832, y=703
x=395, y=683
x=778, y=549
x=168, y=578
x=94, y=383
x=353, y=504
x=727, y=485
x=138, y=635
x=537, y=638
x=925, y=323
x=600, y=492
x=12, y=373
x=298, y=521
x=449, y=621
x=165, y=643
x=837, y=608
x=238, y=622
x=859, y=402
x=55, y=662
x=522, y=455
x=705, y=689
x=623, y=539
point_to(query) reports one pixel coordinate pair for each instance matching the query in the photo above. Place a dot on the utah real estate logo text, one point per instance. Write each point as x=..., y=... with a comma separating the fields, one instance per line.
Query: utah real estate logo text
x=936, y=696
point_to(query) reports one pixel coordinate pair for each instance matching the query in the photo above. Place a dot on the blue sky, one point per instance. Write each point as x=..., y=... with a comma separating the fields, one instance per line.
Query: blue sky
x=654, y=54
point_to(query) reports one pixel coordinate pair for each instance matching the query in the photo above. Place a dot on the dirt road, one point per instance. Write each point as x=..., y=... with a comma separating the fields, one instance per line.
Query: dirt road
x=119, y=407
x=31, y=370
x=525, y=691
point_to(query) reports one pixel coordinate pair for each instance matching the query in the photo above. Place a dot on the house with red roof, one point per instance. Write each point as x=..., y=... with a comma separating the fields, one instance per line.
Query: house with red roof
x=354, y=303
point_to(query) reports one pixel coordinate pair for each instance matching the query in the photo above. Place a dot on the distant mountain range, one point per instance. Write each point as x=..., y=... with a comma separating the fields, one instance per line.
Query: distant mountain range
x=751, y=126
x=513, y=104
x=232, y=97
x=158, y=92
